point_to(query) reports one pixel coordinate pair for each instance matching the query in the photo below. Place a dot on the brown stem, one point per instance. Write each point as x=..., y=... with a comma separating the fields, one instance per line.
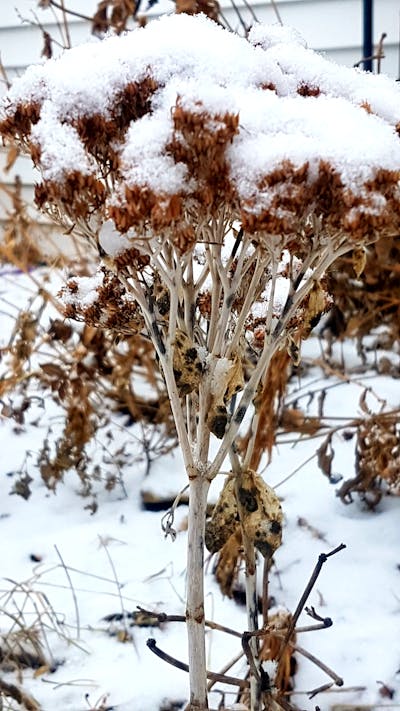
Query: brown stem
x=213, y=676
x=337, y=679
x=313, y=579
x=70, y=12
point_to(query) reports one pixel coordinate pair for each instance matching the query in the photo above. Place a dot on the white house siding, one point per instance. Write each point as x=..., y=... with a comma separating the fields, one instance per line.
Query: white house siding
x=330, y=26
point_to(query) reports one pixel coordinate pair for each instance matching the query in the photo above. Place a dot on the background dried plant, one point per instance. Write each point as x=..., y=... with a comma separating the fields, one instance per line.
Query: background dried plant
x=88, y=373
x=372, y=301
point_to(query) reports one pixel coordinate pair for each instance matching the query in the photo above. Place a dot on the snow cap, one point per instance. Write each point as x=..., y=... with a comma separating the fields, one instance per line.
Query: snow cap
x=183, y=117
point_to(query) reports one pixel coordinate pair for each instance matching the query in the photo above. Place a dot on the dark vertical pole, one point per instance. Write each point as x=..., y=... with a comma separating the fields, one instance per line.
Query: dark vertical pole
x=368, y=50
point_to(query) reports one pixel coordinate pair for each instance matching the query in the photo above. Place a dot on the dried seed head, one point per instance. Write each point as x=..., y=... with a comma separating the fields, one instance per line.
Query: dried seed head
x=259, y=513
x=225, y=518
x=188, y=367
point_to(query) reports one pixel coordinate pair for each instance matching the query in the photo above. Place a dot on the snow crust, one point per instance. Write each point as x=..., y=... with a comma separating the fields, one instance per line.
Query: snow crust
x=212, y=70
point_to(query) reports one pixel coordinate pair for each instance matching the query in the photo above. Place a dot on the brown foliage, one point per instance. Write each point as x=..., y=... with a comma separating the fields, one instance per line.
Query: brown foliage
x=17, y=244
x=268, y=404
x=377, y=460
x=14, y=692
x=271, y=650
x=113, y=14
x=376, y=300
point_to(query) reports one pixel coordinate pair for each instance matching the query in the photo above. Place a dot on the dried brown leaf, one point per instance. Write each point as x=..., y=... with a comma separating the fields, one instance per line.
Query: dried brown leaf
x=12, y=155
x=55, y=371
x=325, y=455
x=359, y=258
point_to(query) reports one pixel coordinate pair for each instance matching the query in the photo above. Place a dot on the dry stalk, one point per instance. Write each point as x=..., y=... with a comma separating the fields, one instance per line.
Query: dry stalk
x=14, y=692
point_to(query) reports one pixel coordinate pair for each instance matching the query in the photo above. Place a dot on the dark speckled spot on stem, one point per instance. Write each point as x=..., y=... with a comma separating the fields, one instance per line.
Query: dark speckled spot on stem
x=240, y=415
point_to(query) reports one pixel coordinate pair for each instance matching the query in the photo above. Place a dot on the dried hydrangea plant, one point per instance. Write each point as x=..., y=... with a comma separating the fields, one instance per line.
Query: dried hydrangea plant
x=218, y=177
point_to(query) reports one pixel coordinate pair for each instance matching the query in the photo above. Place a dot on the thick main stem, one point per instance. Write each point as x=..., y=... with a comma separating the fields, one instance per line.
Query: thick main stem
x=198, y=491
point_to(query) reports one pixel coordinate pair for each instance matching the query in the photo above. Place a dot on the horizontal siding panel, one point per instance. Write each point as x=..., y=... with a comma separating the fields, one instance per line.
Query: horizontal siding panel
x=12, y=11
x=21, y=46
x=325, y=24
x=22, y=167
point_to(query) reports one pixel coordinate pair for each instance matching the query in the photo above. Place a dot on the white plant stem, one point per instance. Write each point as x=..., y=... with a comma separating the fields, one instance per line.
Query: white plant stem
x=198, y=492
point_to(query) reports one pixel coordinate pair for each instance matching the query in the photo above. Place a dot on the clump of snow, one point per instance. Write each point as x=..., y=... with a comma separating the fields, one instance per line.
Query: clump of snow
x=61, y=148
x=221, y=367
x=143, y=159
x=267, y=36
x=112, y=241
x=293, y=105
x=86, y=290
x=270, y=666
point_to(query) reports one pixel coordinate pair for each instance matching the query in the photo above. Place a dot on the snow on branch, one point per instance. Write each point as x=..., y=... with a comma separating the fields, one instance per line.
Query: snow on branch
x=183, y=116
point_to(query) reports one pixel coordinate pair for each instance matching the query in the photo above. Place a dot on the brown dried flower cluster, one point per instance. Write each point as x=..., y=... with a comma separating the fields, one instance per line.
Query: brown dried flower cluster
x=198, y=143
x=111, y=309
x=377, y=461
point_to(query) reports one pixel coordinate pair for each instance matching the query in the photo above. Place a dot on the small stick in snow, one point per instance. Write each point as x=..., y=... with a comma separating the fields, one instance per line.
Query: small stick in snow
x=313, y=579
x=231, y=680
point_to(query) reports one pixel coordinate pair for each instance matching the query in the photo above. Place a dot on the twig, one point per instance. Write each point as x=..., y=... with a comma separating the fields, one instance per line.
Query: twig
x=239, y=15
x=342, y=690
x=251, y=10
x=289, y=476
x=231, y=680
x=321, y=560
x=118, y=584
x=162, y=617
x=76, y=606
x=246, y=638
x=70, y=12
x=337, y=679
x=226, y=668
x=276, y=10
x=378, y=54
x=66, y=26
x=319, y=689
x=169, y=517
x=312, y=628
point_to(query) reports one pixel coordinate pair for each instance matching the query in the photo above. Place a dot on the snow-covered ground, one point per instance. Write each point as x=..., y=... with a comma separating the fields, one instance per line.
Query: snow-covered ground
x=63, y=570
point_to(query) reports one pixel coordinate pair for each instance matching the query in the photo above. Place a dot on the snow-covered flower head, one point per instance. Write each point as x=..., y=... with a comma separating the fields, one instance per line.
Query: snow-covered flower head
x=175, y=121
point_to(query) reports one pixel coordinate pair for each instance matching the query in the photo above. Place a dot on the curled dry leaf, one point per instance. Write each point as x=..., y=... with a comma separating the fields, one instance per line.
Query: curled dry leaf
x=12, y=155
x=377, y=461
x=227, y=380
x=225, y=518
x=228, y=563
x=359, y=258
x=262, y=513
x=325, y=455
x=188, y=368
x=260, y=509
x=293, y=419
